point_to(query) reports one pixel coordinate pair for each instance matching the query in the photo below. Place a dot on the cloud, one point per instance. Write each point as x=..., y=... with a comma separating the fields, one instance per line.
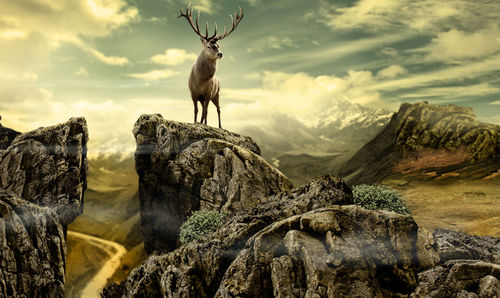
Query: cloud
x=111, y=60
x=298, y=95
x=82, y=72
x=281, y=42
x=155, y=75
x=458, y=45
x=426, y=16
x=173, y=57
x=202, y=5
x=391, y=72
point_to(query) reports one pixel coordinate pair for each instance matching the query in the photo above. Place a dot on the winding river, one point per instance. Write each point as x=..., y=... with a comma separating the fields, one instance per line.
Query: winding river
x=115, y=251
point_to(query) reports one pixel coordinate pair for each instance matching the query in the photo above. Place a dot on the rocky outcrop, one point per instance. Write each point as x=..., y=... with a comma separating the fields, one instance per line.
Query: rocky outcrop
x=48, y=167
x=196, y=269
x=339, y=251
x=187, y=167
x=421, y=136
x=32, y=249
x=42, y=181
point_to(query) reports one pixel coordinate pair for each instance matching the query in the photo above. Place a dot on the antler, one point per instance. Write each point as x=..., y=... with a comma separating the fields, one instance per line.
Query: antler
x=235, y=21
x=189, y=16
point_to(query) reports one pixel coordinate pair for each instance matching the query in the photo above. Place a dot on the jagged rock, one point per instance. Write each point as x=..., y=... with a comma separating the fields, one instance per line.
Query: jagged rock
x=32, y=249
x=48, y=167
x=42, y=180
x=421, y=135
x=455, y=245
x=186, y=167
x=338, y=251
x=7, y=135
x=196, y=269
x=460, y=278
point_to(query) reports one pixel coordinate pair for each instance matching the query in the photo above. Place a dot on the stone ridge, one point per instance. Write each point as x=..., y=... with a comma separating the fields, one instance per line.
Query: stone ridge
x=187, y=167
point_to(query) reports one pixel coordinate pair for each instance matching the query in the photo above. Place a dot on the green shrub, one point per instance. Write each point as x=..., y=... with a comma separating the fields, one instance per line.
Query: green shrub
x=378, y=197
x=199, y=224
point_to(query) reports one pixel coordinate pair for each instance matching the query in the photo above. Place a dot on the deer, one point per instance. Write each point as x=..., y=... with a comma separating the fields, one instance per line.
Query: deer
x=203, y=84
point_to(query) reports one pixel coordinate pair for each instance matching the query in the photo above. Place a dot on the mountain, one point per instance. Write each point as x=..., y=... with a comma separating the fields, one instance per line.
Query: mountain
x=306, y=149
x=278, y=241
x=430, y=141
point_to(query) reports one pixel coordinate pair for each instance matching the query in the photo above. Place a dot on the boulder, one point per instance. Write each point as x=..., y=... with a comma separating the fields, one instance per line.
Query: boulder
x=186, y=167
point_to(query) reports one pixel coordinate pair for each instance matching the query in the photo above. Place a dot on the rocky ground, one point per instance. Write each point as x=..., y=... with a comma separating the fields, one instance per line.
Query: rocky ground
x=42, y=182
x=307, y=241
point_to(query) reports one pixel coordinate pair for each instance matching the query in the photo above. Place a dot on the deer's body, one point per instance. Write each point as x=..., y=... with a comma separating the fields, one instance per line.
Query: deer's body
x=203, y=84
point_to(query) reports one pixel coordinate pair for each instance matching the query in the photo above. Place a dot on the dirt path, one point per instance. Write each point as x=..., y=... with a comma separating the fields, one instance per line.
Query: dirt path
x=114, y=252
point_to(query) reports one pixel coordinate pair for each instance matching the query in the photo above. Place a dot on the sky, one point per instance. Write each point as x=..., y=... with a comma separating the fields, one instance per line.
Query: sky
x=113, y=60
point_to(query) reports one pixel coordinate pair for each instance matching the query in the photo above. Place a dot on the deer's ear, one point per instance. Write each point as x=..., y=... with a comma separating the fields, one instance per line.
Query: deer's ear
x=203, y=41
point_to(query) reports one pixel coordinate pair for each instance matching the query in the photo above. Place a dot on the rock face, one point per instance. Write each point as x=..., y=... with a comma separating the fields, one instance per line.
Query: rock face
x=196, y=269
x=42, y=181
x=187, y=167
x=338, y=251
x=422, y=135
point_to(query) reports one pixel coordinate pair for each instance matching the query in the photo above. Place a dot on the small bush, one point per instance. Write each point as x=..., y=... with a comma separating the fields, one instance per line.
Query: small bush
x=378, y=197
x=199, y=224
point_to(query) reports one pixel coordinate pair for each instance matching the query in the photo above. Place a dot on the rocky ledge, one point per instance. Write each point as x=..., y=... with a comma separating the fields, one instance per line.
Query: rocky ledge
x=42, y=181
x=187, y=167
x=303, y=242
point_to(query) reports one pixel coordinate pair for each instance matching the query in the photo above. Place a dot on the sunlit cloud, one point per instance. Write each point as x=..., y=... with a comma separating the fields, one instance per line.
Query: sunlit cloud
x=155, y=75
x=424, y=16
x=391, y=72
x=457, y=45
x=173, y=57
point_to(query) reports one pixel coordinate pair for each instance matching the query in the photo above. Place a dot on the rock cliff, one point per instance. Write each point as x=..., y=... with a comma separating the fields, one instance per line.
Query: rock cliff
x=187, y=167
x=421, y=136
x=42, y=181
x=303, y=242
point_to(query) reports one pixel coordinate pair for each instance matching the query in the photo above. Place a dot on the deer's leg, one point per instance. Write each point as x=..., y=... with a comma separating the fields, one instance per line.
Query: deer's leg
x=195, y=102
x=205, y=111
x=215, y=100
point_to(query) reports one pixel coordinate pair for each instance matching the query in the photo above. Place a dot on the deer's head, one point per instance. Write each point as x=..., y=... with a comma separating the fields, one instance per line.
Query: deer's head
x=210, y=46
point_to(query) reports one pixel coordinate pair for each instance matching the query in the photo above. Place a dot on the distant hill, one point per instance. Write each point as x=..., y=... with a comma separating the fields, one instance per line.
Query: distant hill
x=305, y=149
x=429, y=140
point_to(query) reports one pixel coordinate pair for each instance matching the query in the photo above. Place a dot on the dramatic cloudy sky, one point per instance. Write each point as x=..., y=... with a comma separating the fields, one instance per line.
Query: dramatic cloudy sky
x=111, y=60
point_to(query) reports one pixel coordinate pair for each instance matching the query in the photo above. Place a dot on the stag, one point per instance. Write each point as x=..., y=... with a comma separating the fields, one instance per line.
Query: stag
x=203, y=84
